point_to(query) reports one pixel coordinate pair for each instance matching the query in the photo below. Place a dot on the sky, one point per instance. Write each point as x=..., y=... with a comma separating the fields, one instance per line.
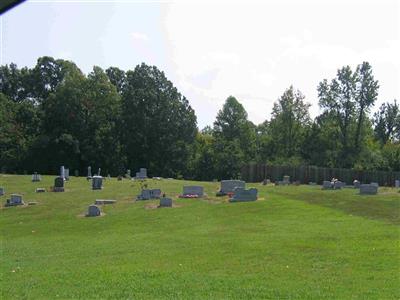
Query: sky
x=252, y=50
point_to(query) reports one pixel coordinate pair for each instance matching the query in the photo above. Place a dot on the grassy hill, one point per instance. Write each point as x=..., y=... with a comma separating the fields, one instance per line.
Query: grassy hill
x=295, y=242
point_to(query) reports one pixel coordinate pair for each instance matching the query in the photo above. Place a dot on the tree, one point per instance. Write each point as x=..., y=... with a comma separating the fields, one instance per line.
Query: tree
x=232, y=125
x=159, y=125
x=387, y=123
x=366, y=93
x=287, y=126
x=117, y=78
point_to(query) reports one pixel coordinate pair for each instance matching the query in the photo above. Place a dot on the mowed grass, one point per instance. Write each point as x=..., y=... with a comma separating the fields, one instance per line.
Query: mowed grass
x=295, y=242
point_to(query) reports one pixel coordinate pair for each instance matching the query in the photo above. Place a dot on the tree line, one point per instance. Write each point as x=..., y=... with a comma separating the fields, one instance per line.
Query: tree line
x=53, y=114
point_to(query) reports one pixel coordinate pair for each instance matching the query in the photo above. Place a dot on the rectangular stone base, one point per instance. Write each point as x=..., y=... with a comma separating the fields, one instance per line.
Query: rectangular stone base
x=58, y=189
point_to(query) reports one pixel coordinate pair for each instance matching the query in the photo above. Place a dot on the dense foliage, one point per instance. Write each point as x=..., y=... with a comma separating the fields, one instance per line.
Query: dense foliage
x=53, y=114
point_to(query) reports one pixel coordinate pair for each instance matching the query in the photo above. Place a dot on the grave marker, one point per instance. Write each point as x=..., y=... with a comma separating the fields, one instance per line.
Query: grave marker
x=97, y=183
x=243, y=195
x=93, y=211
x=58, y=184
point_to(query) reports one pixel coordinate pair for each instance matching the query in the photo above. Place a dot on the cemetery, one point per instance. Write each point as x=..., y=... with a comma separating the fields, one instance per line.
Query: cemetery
x=279, y=227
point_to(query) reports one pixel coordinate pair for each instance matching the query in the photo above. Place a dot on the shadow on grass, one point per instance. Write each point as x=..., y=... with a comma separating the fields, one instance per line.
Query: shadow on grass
x=384, y=206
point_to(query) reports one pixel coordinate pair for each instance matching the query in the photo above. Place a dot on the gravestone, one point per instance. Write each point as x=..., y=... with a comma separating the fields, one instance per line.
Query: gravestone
x=397, y=183
x=148, y=194
x=66, y=174
x=58, y=184
x=119, y=178
x=142, y=174
x=15, y=200
x=337, y=185
x=193, y=190
x=40, y=190
x=99, y=172
x=104, y=201
x=93, y=211
x=2, y=191
x=356, y=184
x=97, y=183
x=89, y=172
x=243, y=195
x=76, y=173
x=327, y=185
x=36, y=177
x=165, y=202
x=265, y=182
x=128, y=174
x=312, y=183
x=62, y=172
x=109, y=176
x=228, y=186
x=368, y=189
x=286, y=180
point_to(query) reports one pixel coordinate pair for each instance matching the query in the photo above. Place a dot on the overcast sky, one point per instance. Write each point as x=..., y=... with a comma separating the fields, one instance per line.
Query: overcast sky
x=252, y=50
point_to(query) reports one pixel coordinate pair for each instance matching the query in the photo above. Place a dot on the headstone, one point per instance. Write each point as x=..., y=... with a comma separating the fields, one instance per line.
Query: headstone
x=265, y=182
x=2, y=191
x=337, y=185
x=312, y=183
x=128, y=173
x=89, y=172
x=119, y=178
x=66, y=174
x=62, y=172
x=397, y=183
x=93, y=211
x=327, y=185
x=228, y=186
x=193, y=190
x=243, y=195
x=104, y=201
x=76, y=173
x=36, y=177
x=142, y=174
x=40, y=190
x=356, y=184
x=99, y=172
x=368, y=189
x=148, y=194
x=97, y=183
x=15, y=200
x=109, y=176
x=58, y=184
x=165, y=202
x=286, y=180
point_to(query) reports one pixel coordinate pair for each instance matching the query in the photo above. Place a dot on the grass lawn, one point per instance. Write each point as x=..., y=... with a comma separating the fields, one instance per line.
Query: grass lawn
x=295, y=242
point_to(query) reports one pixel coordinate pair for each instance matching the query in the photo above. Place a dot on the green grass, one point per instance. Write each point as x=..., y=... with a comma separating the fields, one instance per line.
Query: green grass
x=296, y=242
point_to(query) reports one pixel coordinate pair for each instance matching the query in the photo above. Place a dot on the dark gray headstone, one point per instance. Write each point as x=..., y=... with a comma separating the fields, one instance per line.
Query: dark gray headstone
x=327, y=185
x=193, y=190
x=93, y=211
x=15, y=200
x=76, y=173
x=148, y=194
x=243, y=195
x=368, y=189
x=58, y=184
x=165, y=202
x=142, y=174
x=97, y=183
x=228, y=186
x=337, y=185
x=2, y=191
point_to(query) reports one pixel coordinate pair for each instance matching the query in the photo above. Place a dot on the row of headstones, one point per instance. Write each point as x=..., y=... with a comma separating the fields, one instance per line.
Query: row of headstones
x=365, y=189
